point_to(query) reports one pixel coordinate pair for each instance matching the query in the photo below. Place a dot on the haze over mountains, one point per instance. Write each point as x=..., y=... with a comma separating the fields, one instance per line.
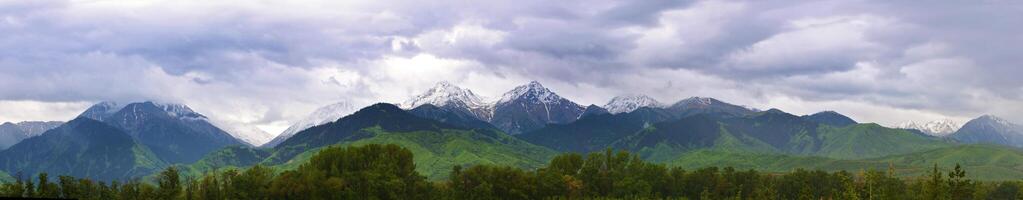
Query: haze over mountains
x=448, y=125
x=12, y=133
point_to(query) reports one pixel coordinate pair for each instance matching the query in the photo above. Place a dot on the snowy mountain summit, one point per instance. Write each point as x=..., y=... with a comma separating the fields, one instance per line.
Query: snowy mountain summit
x=180, y=111
x=445, y=93
x=451, y=97
x=321, y=116
x=532, y=106
x=532, y=92
x=938, y=128
x=624, y=104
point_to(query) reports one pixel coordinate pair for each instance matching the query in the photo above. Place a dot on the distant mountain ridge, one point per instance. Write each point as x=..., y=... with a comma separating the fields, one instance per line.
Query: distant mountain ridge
x=533, y=106
x=453, y=98
x=322, y=115
x=628, y=103
x=989, y=129
x=662, y=134
x=831, y=118
x=12, y=133
x=438, y=145
x=82, y=148
x=938, y=128
x=174, y=132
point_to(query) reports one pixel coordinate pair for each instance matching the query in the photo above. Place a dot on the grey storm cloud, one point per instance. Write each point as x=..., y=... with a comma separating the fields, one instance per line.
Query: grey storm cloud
x=948, y=57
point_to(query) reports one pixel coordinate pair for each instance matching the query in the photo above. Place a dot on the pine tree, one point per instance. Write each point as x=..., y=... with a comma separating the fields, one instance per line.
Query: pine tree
x=959, y=186
x=935, y=187
x=169, y=184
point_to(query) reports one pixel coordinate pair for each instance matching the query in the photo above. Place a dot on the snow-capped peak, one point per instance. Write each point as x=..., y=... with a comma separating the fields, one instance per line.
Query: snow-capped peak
x=994, y=119
x=102, y=109
x=244, y=132
x=179, y=111
x=939, y=128
x=628, y=103
x=321, y=116
x=444, y=93
x=697, y=101
x=532, y=91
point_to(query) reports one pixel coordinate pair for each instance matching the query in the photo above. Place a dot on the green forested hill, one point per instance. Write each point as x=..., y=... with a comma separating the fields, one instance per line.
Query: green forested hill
x=870, y=141
x=437, y=146
x=985, y=162
x=83, y=148
x=770, y=131
x=435, y=152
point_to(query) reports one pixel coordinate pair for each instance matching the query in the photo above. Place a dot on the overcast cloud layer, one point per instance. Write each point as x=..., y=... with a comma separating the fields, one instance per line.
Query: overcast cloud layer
x=268, y=63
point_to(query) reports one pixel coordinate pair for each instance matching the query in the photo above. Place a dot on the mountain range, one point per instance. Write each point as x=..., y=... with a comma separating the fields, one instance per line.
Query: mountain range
x=448, y=126
x=322, y=115
x=12, y=133
x=82, y=147
x=938, y=128
x=990, y=129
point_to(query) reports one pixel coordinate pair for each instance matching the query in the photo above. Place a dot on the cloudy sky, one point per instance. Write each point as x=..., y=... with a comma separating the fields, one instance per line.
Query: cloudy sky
x=266, y=64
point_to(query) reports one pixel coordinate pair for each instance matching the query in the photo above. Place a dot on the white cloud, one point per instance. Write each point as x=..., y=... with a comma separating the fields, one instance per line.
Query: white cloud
x=828, y=43
x=18, y=111
x=268, y=63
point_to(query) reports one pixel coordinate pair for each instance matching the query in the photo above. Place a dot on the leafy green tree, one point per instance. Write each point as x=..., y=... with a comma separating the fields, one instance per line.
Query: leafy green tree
x=253, y=183
x=846, y=186
x=46, y=188
x=493, y=182
x=68, y=187
x=881, y=185
x=1005, y=190
x=566, y=164
x=16, y=189
x=169, y=183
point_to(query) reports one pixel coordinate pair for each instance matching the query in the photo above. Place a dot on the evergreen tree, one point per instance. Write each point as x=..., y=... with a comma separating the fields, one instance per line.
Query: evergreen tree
x=958, y=185
x=169, y=184
x=46, y=188
x=936, y=187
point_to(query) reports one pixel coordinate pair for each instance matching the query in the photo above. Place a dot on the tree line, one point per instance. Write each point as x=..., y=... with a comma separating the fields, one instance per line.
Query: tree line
x=388, y=172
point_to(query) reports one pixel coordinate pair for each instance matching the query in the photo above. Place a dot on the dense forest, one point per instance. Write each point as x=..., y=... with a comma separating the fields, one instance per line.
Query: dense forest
x=388, y=172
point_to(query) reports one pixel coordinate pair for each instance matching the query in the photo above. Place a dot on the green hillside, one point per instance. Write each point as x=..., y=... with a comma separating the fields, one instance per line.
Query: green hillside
x=984, y=162
x=989, y=162
x=870, y=141
x=435, y=152
x=82, y=148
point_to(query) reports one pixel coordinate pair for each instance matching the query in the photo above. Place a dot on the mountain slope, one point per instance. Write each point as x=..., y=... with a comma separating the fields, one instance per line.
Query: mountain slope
x=532, y=106
x=248, y=134
x=830, y=118
x=82, y=148
x=592, y=110
x=773, y=131
x=460, y=119
x=175, y=133
x=438, y=146
x=453, y=98
x=594, y=132
x=872, y=140
x=624, y=104
x=989, y=129
x=704, y=105
x=321, y=116
x=12, y=133
x=939, y=128
x=437, y=151
x=982, y=162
